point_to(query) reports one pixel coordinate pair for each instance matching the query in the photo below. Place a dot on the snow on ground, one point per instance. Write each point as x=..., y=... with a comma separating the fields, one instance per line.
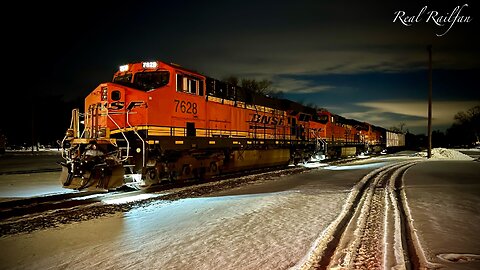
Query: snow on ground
x=444, y=153
x=269, y=225
x=21, y=185
x=14, y=186
x=444, y=201
x=267, y=231
x=255, y=227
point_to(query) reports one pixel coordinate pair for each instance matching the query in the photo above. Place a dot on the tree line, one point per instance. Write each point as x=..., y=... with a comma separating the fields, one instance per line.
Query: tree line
x=464, y=132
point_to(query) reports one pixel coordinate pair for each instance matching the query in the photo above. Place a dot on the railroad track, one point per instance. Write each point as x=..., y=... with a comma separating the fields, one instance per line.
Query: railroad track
x=32, y=171
x=10, y=210
x=32, y=214
x=373, y=229
x=38, y=205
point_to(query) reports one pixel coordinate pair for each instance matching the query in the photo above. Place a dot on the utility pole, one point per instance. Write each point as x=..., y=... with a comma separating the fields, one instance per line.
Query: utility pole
x=33, y=124
x=429, y=151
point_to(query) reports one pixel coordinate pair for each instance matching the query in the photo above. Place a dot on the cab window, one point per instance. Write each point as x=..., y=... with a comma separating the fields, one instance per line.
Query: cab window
x=150, y=80
x=323, y=119
x=188, y=84
x=125, y=80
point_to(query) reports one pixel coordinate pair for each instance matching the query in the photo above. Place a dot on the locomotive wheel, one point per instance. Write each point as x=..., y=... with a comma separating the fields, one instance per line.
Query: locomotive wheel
x=201, y=173
x=172, y=177
x=186, y=169
x=196, y=174
x=213, y=167
x=152, y=174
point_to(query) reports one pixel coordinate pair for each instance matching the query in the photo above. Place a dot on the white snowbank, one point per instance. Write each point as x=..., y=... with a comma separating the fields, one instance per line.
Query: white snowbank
x=444, y=153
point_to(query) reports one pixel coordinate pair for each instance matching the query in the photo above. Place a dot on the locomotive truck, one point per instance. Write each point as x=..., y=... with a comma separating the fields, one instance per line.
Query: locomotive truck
x=158, y=121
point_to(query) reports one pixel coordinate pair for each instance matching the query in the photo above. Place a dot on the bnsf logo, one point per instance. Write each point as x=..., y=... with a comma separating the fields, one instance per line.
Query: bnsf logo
x=118, y=105
x=268, y=120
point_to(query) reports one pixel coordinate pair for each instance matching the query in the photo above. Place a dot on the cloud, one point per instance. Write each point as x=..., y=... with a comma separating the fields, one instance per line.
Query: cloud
x=301, y=59
x=413, y=113
x=299, y=86
x=321, y=49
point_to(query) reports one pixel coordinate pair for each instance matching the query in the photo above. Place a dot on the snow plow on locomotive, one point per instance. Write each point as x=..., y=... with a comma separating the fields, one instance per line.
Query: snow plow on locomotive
x=161, y=122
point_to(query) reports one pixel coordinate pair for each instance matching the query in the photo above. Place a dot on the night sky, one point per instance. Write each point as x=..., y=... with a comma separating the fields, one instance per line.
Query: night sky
x=346, y=56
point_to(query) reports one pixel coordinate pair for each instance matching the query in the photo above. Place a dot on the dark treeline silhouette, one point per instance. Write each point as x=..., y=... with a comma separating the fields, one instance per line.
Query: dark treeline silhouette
x=264, y=87
x=464, y=132
x=41, y=119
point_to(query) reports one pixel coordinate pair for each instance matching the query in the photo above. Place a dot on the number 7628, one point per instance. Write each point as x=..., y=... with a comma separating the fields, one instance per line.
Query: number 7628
x=185, y=106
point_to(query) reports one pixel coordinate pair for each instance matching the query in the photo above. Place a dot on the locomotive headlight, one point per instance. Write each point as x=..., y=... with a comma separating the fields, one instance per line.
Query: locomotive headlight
x=123, y=68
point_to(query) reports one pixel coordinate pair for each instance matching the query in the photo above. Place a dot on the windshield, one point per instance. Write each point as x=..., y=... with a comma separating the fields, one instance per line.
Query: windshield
x=150, y=80
x=323, y=119
x=125, y=80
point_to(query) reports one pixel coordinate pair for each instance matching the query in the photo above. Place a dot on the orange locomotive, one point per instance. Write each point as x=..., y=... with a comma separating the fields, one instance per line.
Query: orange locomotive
x=157, y=121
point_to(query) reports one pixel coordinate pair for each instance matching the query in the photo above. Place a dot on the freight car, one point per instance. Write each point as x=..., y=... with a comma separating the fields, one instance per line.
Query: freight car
x=159, y=121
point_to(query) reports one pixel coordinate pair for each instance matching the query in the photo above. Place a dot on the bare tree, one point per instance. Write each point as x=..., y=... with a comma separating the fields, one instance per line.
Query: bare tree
x=233, y=80
x=470, y=120
x=261, y=87
x=399, y=128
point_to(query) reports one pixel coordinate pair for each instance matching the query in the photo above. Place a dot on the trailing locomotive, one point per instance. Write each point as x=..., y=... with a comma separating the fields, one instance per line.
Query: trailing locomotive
x=161, y=122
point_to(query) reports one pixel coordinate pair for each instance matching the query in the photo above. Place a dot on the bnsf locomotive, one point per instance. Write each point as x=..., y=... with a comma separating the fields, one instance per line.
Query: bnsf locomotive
x=158, y=121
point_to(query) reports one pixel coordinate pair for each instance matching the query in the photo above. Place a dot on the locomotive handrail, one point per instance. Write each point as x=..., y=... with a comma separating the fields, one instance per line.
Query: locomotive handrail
x=140, y=137
x=324, y=142
x=125, y=137
x=231, y=133
x=74, y=114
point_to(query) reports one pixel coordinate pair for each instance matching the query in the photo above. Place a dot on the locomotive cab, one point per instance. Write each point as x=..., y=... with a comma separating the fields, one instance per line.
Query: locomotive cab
x=144, y=100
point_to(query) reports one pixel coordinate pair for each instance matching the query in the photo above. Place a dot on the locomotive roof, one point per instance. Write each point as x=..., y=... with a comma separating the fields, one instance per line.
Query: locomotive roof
x=153, y=65
x=263, y=99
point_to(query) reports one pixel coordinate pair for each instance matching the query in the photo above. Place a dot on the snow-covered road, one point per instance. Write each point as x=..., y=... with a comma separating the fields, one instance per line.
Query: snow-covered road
x=444, y=198
x=270, y=224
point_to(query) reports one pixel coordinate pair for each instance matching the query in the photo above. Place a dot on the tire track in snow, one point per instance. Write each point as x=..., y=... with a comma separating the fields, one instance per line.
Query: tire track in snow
x=370, y=231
